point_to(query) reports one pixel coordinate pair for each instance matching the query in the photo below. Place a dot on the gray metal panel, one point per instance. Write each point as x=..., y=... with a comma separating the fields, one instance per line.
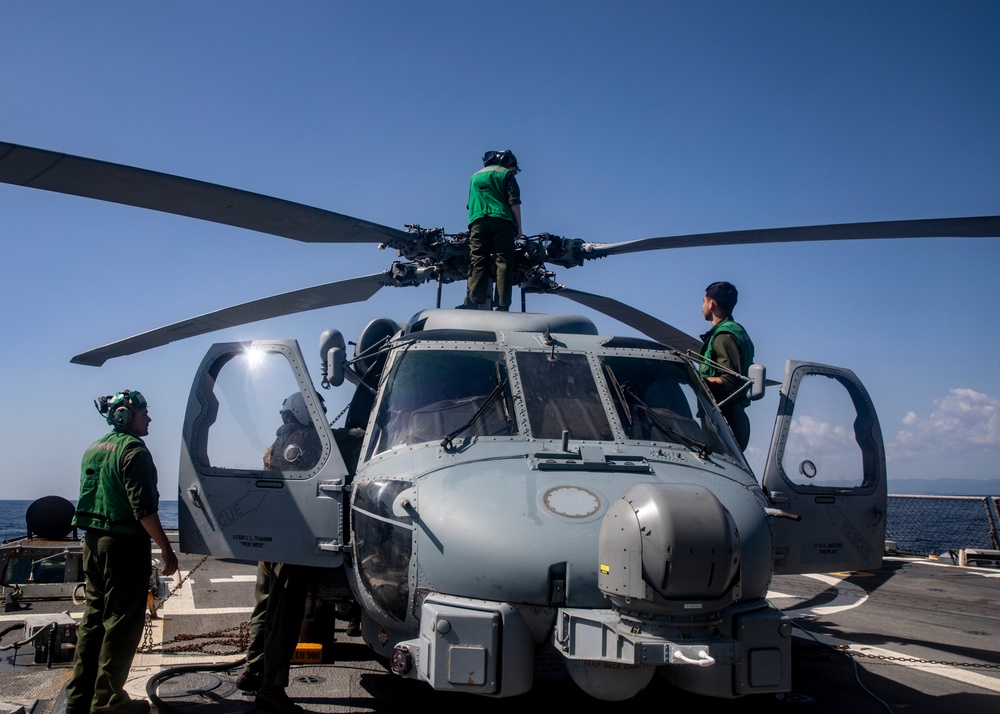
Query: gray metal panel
x=841, y=528
x=255, y=514
x=500, y=321
x=462, y=648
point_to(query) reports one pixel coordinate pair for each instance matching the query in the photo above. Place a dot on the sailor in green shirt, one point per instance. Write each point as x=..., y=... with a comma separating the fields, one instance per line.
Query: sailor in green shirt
x=728, y=345
x=117, y=508
x=494, y=224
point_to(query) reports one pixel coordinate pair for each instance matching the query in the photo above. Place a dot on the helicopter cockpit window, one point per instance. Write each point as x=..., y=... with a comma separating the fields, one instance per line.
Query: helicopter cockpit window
x=656, y=401
x=560, y=394
x=433, y=393
x=259, y=418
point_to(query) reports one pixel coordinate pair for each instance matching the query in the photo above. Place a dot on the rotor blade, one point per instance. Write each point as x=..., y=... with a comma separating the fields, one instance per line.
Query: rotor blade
x=646, y=324
x=974, y=227
x=339, y=293
x=78, y=176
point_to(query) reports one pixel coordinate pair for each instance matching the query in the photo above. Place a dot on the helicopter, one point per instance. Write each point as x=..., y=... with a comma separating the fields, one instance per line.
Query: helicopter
x=514, y=492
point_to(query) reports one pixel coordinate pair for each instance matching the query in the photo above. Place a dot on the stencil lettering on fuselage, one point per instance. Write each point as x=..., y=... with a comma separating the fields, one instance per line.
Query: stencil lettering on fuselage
x=227, y=517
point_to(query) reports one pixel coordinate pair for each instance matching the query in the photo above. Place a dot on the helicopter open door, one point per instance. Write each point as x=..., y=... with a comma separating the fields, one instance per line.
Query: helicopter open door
x=236, y=502
x=826, y=465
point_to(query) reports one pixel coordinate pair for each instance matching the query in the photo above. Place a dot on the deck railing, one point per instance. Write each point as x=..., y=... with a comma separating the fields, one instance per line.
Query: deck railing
x=925, y=525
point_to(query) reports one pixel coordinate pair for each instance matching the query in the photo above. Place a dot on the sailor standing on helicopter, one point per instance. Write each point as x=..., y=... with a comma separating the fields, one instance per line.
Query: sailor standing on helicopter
x=494, y=224
x=728, y=345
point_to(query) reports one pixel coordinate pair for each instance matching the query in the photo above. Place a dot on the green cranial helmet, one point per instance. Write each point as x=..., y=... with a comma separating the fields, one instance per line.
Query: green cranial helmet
x=118, y=410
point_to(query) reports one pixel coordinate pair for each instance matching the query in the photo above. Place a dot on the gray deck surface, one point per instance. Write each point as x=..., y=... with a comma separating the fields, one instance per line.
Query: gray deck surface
x=909, y=609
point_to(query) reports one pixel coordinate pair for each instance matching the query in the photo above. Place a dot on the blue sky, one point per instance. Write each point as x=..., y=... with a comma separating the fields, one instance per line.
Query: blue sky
x=630, y=119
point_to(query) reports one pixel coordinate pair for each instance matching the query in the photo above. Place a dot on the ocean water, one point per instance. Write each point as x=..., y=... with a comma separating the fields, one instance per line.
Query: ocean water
x=926, y=525
x=918, y=525
x=12, y=523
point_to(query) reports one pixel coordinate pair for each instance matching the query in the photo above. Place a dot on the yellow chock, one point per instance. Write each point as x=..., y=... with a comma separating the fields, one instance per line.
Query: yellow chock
x=308, y=653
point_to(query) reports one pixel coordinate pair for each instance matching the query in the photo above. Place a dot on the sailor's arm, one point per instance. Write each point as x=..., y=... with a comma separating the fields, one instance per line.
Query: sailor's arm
x=514, y=201
x=138, y=477
x=155, y=529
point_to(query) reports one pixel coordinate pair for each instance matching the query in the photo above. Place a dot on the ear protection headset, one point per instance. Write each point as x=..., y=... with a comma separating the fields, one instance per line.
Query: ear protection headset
x=120, y=416
x=118, y=410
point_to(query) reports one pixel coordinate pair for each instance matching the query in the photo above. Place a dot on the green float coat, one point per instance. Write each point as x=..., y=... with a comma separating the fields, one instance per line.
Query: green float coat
x=104, y=503
x=487, y=196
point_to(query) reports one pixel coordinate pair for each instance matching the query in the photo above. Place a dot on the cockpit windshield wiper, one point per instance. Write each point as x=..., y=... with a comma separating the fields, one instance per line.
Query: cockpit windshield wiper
x=498, y=390
x=625, y=392
x=500, y=384
x=619, y=392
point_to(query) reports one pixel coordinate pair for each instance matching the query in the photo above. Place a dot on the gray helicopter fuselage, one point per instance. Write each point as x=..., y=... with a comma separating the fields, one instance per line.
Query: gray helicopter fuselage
x=494, y=527
x=515, y=517
x=516, y=489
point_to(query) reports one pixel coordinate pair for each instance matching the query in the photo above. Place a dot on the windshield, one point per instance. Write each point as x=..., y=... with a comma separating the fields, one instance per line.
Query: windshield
x=656, y=401
x=560, y=393
x=430, y=394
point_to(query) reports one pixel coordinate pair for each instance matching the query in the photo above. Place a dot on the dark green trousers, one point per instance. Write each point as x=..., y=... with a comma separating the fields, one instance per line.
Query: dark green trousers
x=255, y=650
x=491, y=238
x=117, y=568
x=739, y=422
x=276, y=620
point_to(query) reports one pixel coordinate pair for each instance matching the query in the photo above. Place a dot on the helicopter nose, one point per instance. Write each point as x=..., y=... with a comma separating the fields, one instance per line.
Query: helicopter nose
x=689, y=545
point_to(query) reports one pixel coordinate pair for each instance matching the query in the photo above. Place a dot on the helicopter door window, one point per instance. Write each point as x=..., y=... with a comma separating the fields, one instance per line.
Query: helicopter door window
x=261, y=422
x=822, y=449
x=433, y=393
x=560, y=394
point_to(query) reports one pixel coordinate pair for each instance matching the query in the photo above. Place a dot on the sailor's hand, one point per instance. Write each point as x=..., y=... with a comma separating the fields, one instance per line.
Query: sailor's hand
x=169, y=562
